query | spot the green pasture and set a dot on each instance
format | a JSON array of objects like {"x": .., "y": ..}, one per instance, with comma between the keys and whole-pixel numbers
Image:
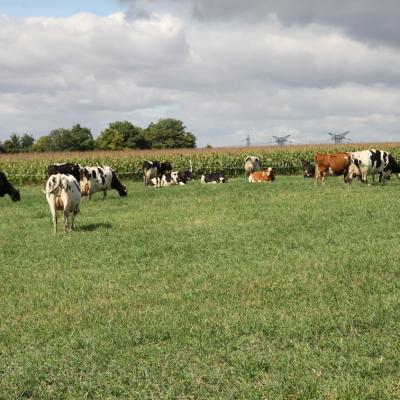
[{"x": 235, "y": 291}]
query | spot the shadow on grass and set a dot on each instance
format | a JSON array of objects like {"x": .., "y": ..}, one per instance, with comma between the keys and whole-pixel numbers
[{"x": 93, "y": 227}]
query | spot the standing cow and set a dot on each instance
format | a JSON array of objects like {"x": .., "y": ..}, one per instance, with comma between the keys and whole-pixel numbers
[
  {"x": 332, "y": 164},
  {"x": 100, "y": 179},
  {"x": 155, "y": 170},
  {"x": 63, "y": 193},
  {"x": 7, "y": 188},
  {"x": 371, "y": 162},
  {"x": 251, "y": 164}
]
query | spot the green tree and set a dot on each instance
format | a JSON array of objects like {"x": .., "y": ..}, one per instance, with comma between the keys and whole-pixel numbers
[
  {"x": 26, "y": 142},
  {"x": 110, "y": 139},
  {"x": 43, "y": 144},
  {"x": 13, "y": 144},
  {"x": 133, "y": 136},
  {"x": 169, "y": 133},
  {"x": 81, "y": 139}
]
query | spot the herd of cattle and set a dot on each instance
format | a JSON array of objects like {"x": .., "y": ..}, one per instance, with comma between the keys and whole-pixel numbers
[{"x": 67, "y": 183}]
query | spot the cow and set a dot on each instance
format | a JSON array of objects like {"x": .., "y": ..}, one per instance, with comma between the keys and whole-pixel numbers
[
  {"x": 155, "y": 169},
  {"x": 100, "y": 179},
  {"x": 218, "y": 177},
  {"x": 7, "y": 188},
  {"x": 181, "y": 177},
  {"x": 63, "y": 193},
  {"x": 167, "y": 180},
  {"x": 251, "y": 164},
  {"x": 262, "y": 176},
  {"x": 65, "y": 168},
  {"x": 308, "y": 168},
  {"x": 332, "y": 164},
  {"x": 371, "y": 162}
]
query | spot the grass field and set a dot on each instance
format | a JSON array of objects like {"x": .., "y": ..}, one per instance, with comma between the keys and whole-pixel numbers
[{"x": 236, "y": 291}]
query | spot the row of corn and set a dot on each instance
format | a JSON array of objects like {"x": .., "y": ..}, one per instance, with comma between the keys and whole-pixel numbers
[{"x": 32, "y": 168}]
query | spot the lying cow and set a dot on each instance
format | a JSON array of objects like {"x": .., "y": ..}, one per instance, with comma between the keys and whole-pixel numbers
[
  {"x": 372, "y": 162},
  {"x": 332, "y": 164},
  {"x": 262, "y": 176},
  {"x": 251, "y": 164},
  {"x": 63, "y": 193},
  {"x": 181, "y": 177},
  {"x": 308, "y": 168},
  {"x": 155, "y": 170},
  {"x": 100, "y": 179},
  {"x": 65, "y": 168},
  {"x": 7, "y": 188},
  {"x": 218, "y": 177}
]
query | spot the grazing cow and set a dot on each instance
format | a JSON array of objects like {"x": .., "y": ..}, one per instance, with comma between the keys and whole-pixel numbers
[
  {"x": 181, "y": 177},
  {"x": 63, "y": 193},
  {"x": 309, "y": 169},
  {"x": 332, "y": 164},
  {"x": 218, "y": 177},
  {"x": 65, "y": 168},
  {"x": 100, "y": 179},
  {"x": 371, "y": 162},
  {"x": 262, "y": 176},
  {"x": 251, "y": 164},
  {"x": 155, "y": 169},
  {"x": 7, "y": 188}
]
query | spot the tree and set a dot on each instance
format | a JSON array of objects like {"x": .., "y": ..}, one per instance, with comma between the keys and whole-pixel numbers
[
  {"x": 26, "y": 142},
  {"x": 110, "y": 139},
  {"x": 169, "y": 133},
  {"x": 43, "y": 144},
  {"x": 133, "y": 136},
  {"x": 12, "y": 145},
  {"x": 81, "y": 139}
]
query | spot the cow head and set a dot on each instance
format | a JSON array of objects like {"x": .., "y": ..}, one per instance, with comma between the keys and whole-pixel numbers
[
  {"x": 15, "y": 196},
  {"x": 85, "y": 181}
]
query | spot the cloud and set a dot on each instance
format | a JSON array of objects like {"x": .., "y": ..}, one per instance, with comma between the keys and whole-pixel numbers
[{"x": 225, "y": 69}]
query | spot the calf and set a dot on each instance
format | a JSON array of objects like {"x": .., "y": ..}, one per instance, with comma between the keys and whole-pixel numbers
[
  {"x": 251, "y": 164},
  {"x": 100, "y": 179},
  {"x": 371, "y": 162},
  {"x": 7, "y": 188},
  {"x": 309, "y": 169},
  {"x": 65, "y": 168},
  {"x": 332, "y": 164},
  {"x": 63, "y": 193},
  {"x": 155, "y": 169},
  {"x": 218, "y": 177},
  {"x": 262, "y": 176}
]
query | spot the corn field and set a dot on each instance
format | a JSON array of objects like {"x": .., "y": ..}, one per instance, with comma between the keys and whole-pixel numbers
[{"x": 31, "y": 168}]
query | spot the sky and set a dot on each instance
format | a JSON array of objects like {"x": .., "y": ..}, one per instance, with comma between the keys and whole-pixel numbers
[{"x": 228, "y": 69}]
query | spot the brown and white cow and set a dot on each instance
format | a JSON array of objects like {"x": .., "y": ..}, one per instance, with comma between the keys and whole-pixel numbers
[
  {"x": 262, "y": 176},
  {"x": 332, "y": 164}
]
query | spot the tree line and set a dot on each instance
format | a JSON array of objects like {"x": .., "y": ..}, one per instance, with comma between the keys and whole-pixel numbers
[{"x": 165, "y": 134}]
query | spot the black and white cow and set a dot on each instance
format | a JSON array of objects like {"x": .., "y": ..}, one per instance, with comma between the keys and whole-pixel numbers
[
  {"x": 308, "y": 168},
  {"x": 65, "y": 168},
  {"x": 63, "y": 193},
  {"x": 7, "y": 188},
  {"x": 372, "y": 162},
  {"x": 100, "y": 179},
  {"x": 252, "y": 164},
  {"x": 181, "y": 177},
  {"x": 155, "y": 169},
  {"x": 218, "y": 177}
]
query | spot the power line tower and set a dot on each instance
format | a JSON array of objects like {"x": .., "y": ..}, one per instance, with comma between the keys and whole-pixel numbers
[
  {"x": 281, "y": 140},
  {"x": 248, "y": 141},
  {"x": 339, "y": 137}
]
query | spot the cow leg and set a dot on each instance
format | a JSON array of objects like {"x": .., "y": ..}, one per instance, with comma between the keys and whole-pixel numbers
[
  {"x": 66, "y": 214},
  {"x": 73, "y": 214},
  {"x": 54, "y": 219}
]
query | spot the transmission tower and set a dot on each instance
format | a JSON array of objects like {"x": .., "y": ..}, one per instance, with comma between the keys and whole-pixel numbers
[
  {"x": 339, "y": 137},
  {"x": 248, "y": 141},
  {"x": 281, "y": 140}
]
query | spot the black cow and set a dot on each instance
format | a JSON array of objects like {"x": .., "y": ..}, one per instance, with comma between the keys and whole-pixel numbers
[
  {"x": 7, "y": 188},
  {"x": 309, "y": 169},
  {"x": 155, "y": 169},
  {"x": 218, "y": 177},
  {"x": 66, "y": 169}
]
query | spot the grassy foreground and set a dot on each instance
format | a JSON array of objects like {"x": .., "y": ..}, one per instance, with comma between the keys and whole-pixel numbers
[{"x": 236, "y": 291}]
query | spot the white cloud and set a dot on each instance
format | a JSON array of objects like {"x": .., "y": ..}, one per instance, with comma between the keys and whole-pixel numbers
[{"x": 224, "y": 78}]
